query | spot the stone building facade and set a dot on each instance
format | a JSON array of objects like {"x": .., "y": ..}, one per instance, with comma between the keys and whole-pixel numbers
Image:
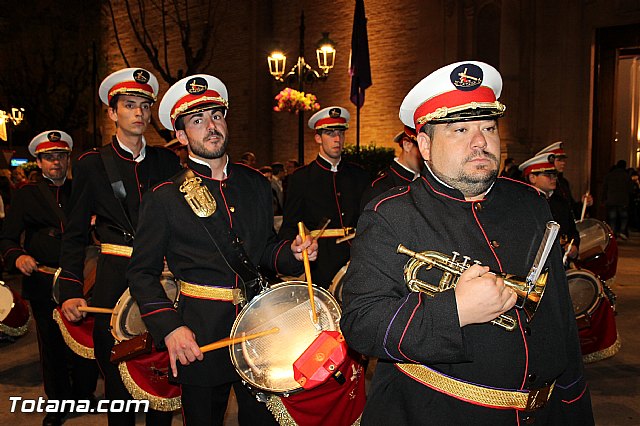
[{"x": 546, "y": 51}]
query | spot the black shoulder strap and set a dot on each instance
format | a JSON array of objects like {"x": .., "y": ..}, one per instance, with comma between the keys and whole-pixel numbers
[
  {"x": 117, "y": 185},
  {"x": 43, "y": 187},
  {"x": 229, "y": 244},
  {"x": 106, "y": 153}
]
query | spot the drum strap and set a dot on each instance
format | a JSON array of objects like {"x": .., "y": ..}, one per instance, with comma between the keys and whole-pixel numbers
[
  {"x": 43, "y": 187},
  {"x": 230, "y": 246},
  {"x": 117, "y": 185}
]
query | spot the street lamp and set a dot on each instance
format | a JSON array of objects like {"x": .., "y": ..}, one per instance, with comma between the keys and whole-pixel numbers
[
  {"x": 15, "y": 117},
  {"x": 302, "y": 72}
]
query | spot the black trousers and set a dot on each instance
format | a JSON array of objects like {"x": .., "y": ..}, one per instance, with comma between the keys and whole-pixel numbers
[
  {"x": 113, "y": 387},
  {"x": 65, "y": 374},
  {"x": 206, "y": 405}
]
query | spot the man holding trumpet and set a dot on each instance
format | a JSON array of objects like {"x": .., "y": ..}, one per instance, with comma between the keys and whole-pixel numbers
[{"x": 442, "y": 360}]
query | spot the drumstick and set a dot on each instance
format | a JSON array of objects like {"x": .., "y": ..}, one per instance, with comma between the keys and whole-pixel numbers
[
  {"x": 584, "y": 206},
  {"x": 47, "y": 269},
  {"x": 322, "y": 228},
  {"x": 566, "y": 253},
  {"x": 94, "y": 310},
  {"x": 307, "y": 271},
  {"x": 232, "y": 341}
]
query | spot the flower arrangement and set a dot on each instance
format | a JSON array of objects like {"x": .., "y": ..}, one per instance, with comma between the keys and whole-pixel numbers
[{"x": 291, "y": 100}]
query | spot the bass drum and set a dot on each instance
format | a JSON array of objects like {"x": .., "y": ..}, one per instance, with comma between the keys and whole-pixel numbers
[
  {"x": 586, "y": 292},
  {"x": 14, "y": 312},
  {"x": 336, "y": 285},
  {"x": 126, "y": 320},
  {"x": 598, "y": 250},
  {"x": 266, "y": 363}
]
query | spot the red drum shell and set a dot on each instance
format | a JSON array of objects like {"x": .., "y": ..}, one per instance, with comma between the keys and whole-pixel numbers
[
  {"x": 14, "y": 312},
  {"x": 331, "y": 403},
  {"x": 147, "y": 377},
  {"x": 77, "y": 335},
  {"x": 599, "y": 336}
]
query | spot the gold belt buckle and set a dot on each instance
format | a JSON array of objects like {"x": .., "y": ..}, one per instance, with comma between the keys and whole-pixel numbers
[
  {"x": 538, "y": 397},
  {"x": 238, "y": 297}
]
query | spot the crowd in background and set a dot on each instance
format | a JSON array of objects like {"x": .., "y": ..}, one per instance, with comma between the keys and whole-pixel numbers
[{"x": 620, "y": 195}]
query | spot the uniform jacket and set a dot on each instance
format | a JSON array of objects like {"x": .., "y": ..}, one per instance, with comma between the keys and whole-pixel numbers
[
  {"x": 394, "y": 175},
  {"x": 315, "y": 192},
  {"x": 562, "y": 213},
  {"x": 169, "y": 228},
  {"x": 92, "y": 195},
  {"x": 32, "y": 214},
  {"x": 382, "y": 318}
]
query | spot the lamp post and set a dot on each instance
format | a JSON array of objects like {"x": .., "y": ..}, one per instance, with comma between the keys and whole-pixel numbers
[
  {"x": 15, "y": 117},
  {"x": 302, "y": 72}
]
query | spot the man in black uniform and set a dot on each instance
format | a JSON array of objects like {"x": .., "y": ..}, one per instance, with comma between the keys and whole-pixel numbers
[
  {"x": 109, "y": 183},
  {"x": 326, "y": 188},
  {"x": 540, "y": 172},
  {"x": 39, "y": 211},
  {"x": 234, "y": 230},
  {"x": 441, "y": 360},
  {"x": 563, "y": 186},
  {"x": 404, "y": 169}
]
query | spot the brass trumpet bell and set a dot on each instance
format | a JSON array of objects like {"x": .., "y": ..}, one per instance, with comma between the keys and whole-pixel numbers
[{"x": 529, "y": 295}]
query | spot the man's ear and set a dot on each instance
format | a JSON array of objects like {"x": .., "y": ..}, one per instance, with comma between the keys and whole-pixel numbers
[
  {"x": 113, "y": 115},
  {"x": 318, "y": 138},
  {"x": 181, "y": 135},
  {"x": 424, "y": 145}
]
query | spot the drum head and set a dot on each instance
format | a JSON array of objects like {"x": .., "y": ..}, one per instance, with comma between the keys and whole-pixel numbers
[
  {"x": 266, "y": 362},
  {"x": 6, "y": 301},
  {"x": 126, "y": 320},
  {"x": 585, "y": 290},
  {"x": 594, "y": 236}
]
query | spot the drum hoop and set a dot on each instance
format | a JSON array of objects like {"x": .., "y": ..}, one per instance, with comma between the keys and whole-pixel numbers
[
  {"x": 121, "y": 311},
  {"x": 7, "y": 290},
  {"x": 599, "y": 290},
  {"x": 248, "y": 308}
]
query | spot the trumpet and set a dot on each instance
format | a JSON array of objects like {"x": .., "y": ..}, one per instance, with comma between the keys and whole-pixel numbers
[{"x": 529, "y": 294}]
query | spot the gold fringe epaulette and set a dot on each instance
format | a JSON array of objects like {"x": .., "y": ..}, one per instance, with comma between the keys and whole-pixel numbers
[
  {"x": 83, "y": 351},
  {"x": 605, "y": 353},
  {"x": 15, "y": 331},
  {"x": 155, "y": 402}
]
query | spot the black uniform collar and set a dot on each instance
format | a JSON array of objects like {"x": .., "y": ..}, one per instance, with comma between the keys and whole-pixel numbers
[
  {"x": 203, "y": 170},
  {"x": 125, "y": 153},
  {"x": 402, "y": 171},
  {"x": 437, "y": 186},
  {"x": 325, "y": 164}
]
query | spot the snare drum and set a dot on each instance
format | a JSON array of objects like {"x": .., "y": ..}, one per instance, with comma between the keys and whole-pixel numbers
[
  {"x": 336, "y": 284},
  {"x": 126, "y": 320},
  {"x": 266, "y": 363},
  {"x": 586, "y": 292},
  {"x": 89, "y": 273},
  {"x": 14, "y": 312},
  {"x": 598, "y": 251}
]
